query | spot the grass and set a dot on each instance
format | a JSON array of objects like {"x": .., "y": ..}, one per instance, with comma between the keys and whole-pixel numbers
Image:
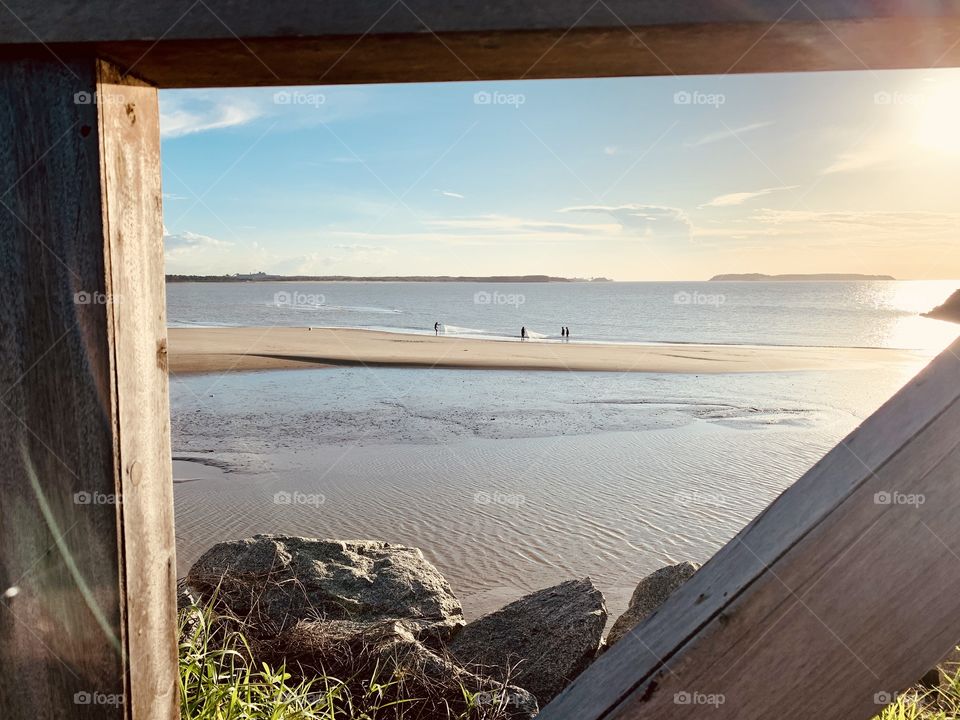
[
  {"x": 221, "y": 680},
  {"x": 942, "y": 703}
]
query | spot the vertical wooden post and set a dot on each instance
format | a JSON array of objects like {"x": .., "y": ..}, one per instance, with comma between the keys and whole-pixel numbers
[{"x": 87, "y": 575}]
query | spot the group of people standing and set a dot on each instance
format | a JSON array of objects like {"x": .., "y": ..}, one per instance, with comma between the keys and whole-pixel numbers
[{"x": 564, "y": 332}]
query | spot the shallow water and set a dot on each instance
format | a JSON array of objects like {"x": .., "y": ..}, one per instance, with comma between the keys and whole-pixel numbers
[
  {"x": 509, "y": 481},
  {"x": 846, "y": 314}
]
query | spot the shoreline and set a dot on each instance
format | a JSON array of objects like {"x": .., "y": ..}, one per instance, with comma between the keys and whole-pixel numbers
[{"x": 238, "y": 349}]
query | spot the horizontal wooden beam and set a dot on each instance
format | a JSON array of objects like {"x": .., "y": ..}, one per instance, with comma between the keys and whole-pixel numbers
[
  {"x": 65, "y": 21},
  {"x": 204, "y": 43},
  {"x": 838, "y": 595}
]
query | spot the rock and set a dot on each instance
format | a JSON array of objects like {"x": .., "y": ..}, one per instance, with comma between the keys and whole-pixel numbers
[
  {"x": 271, "y": 582},
  {"x": 950, "y": 310},
  {"x": 187, "y": 597},
  {"x": 189, "y": 608},
  {"x": 539, "y": 642},
  {"x": 387, "y": 652},
  {"x": 649, "y": 595}
]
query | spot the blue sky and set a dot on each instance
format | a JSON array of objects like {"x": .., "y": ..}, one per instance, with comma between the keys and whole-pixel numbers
[{"x": 629, "y": 178}]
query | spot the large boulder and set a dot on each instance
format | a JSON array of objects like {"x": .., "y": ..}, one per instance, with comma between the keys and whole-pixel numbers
[
  {"x": 387, "y": 655},
  {"x": 649, "y": 595},
  {"x": 271, "y": 582},
  {"x": 539, "y": 642}
]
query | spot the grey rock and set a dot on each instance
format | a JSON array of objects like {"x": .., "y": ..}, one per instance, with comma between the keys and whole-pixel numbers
[
  {"x": 649, "y": 595},
  {"x": 539, "y": 642},
  {"x": 408, "y": 668},
  {"x": 189, "y": 608},
  {"x": 187, "y": 597},
  {"x": 271, "y": 582}
]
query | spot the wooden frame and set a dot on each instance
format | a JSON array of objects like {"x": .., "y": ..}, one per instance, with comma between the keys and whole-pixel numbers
[
  {"x": 208, "y": 43},
  {"x": 804, "y": 613},
  {"x": 86, "y": 520}
]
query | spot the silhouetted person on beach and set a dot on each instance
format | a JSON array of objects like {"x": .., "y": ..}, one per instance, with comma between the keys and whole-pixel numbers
[
  {"x": 568, "y": 334},
  {"x": 436, "y": 328},
  {"x": 523, "y": 333}
]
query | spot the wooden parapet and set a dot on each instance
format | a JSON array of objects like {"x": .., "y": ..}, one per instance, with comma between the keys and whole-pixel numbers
[
  {"x": 205, "y": 43},
  {"x": 86, "y": 517}
]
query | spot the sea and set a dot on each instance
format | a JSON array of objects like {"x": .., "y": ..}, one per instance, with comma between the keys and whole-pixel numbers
[{"x": 511, "y": 481}]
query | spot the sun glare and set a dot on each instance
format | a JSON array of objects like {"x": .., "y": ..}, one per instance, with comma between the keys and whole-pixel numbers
[{"x": 938, "y": 117}]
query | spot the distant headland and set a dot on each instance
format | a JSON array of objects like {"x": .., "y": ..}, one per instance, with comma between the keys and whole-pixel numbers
[
  {"x": 264, "y": 277},
  {"x": 814, "y": 276},
  {"x": 950, "y": 310}
]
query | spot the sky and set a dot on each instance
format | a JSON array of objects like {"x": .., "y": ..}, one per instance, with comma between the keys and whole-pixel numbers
[{"x": 660, "y": 178}]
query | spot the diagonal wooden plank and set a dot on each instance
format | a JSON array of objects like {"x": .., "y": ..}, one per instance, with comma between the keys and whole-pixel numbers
[{"x": 846, "y": 586}]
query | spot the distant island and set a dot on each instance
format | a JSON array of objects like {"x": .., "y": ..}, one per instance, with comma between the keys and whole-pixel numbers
[
  {"x": 264, "y": 277},
  {"x": 814, "y": 276}
]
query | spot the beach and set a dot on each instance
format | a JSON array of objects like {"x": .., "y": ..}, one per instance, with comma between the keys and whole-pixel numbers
[
  {"x": 217, "y": 350},
  {"x": 651, "y": 438}
]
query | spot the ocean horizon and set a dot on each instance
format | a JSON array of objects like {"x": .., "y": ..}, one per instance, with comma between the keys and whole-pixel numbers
[{"x": 870, "y": 313}]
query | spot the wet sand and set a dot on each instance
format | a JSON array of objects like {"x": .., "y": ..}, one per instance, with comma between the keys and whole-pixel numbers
[
  {"x": 508, "y": 481},
  {"x": 217, "y": 350}
]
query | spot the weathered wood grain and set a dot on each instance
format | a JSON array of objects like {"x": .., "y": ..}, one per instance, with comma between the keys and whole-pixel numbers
[
  {"x": 84, "y": 580},
  {"x": 63, "y": 21},
  {"x": 183, "y": 43},
  {"x": 827, "y": 598},
  {"x": 60, "y": 622},
  {"x": 130, "y": 175}
]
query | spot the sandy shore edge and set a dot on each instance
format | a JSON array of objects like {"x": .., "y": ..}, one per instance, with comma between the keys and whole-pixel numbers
[{"x": 216, "y": 350}]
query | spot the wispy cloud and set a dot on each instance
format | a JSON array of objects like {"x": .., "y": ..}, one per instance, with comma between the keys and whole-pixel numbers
[
  {"x": 187, "y": 112},
  {"x": 727, "y": 133},
  {"x": 186, "y": 242},
  {"x": 515, "y": 226},
  {"x": 449, "y": 194},
  {"x": 645, "y": 220},
  {"x": 178, "y": 118},
  {"x": 738, "y": 198},
  {"x": 861, "y": 226},
  {"x": 876, "y": 153}
]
